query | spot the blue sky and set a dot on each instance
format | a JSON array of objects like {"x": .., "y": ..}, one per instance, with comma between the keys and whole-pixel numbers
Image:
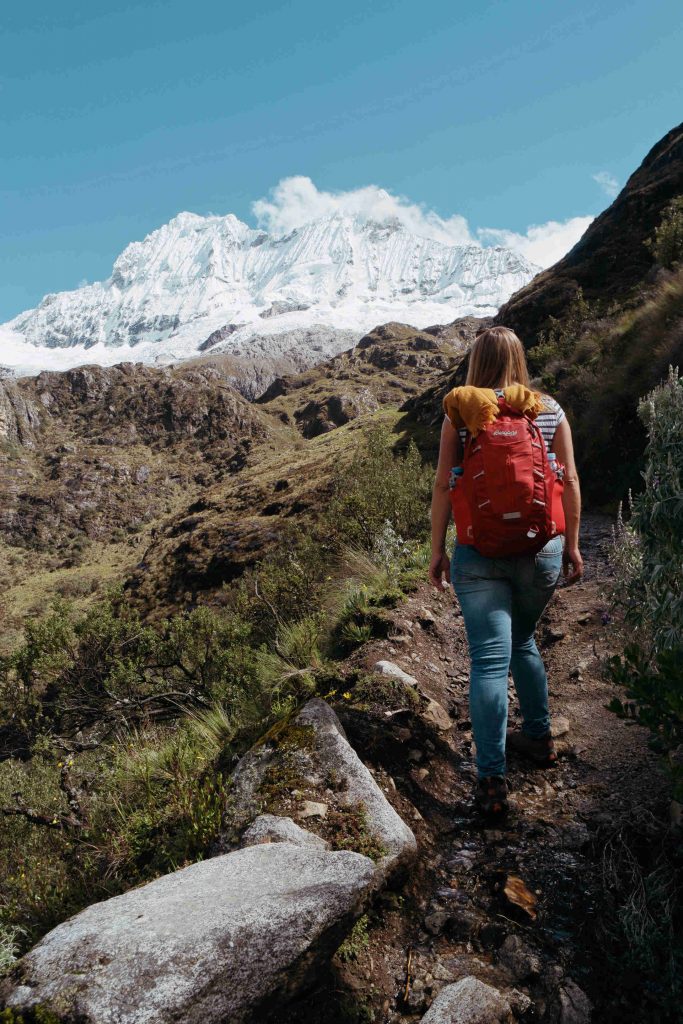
[{"x": 117, "y": 115}]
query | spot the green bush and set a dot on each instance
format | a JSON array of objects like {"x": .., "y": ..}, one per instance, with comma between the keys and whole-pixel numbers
[
  {"x": 107, "y": 667},
  {"x": 612, "y": 367},
  {"x": 558, "y": 341},
  {"x": 648, "y": 556},
  {"x": 667, "y": 244},
  {"x": 9, "y": 946},
  {"x": 380, "y": 487}
]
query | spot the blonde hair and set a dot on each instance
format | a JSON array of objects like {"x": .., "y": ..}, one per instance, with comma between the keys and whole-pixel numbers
[{"x": 497, "y": 359}]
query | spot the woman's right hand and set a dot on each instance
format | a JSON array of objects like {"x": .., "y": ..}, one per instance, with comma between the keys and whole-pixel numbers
[
  {"x": 572, "y": 564},
  {"x": 438, "y": 568}
]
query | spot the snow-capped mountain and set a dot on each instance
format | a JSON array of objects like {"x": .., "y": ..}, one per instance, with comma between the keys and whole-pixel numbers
[{"x": 213, "y": 283}]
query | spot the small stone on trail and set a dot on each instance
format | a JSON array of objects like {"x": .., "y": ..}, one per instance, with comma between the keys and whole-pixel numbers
[
  {"x": 556, "y": 634},
  {"x": 436, "y": 921},
  {"x": 389, "y": 668},
  {"x": 313, "y": 809},
  {"x": 414, "y": 755},
  {"x": 468, "y": 1001},
  {"x": 560, "y": 726},
  {"x": 426, "y": 619},
  {"x": 519, "y": 959},
  {"x": 574, "y": 1005},
  {"x": 436, "y": 715},
  {"x": 584, "y": 619}
]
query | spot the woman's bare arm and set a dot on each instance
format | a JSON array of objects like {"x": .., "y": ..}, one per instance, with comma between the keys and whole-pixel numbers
[
  {"x": 571, "y": 502},
  {"x": 449, "y": 455}
]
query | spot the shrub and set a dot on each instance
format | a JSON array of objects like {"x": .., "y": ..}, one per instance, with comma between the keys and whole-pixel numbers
[
  {"x": 558, "y": 341},
  {"x": 649, "y": 582},
  {"x": 626, "y": 359},
  {"x": 378, "y": 487},
  {"x": 667, "y": 244},
  {"x": 9, "y": 946},
  {"x": 106, "y": 668}
]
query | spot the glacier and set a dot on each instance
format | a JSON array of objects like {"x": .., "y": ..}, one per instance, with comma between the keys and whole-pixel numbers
[{"x": 212, "y": 284}]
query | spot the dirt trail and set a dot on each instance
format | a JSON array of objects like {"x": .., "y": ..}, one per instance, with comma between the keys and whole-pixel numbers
[{"x": 453, "y": 918}]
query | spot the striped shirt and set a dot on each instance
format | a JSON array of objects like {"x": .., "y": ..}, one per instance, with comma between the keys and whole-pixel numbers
[{"x": 546, "y": 421}]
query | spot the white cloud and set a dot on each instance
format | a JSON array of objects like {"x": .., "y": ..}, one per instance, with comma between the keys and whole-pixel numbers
[
  {"x": 296, "y": 201},
  {"x": 543, "y": 244},
  {"x": 607, "y": 182}
]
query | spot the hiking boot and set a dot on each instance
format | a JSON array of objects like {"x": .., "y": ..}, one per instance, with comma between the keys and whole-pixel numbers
[
  {"x": 539, "y": 749},
  {"x": 491, "y": 796}
]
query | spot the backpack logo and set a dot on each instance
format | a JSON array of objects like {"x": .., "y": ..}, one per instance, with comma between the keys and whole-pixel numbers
[{"x": 504, "y": 433}]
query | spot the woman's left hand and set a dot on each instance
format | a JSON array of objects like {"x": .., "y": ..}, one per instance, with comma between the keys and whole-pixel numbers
[{"x": 438, "y": 568}]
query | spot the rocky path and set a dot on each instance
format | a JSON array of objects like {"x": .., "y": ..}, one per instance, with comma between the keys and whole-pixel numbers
[{"x": 517, "y": 906}]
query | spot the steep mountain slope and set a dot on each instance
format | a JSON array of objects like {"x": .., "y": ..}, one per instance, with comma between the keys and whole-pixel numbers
[
  {"x": 610, "y": 262},
  {"x": 170, "y": 478},
  {"x": 601, "y": 354},
  {"x": 97, "y": 452},
  {"x": 212, "y": 283},
  {"x": 241, "y": 517}
]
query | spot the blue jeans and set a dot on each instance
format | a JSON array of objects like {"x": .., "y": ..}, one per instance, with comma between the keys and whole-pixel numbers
[{"x": 502, "y": 600}]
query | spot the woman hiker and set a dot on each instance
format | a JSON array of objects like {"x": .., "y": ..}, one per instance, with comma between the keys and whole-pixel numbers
[{"x": 502, "y": 598}]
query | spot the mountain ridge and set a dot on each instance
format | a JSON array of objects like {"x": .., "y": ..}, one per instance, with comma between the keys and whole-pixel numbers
[{"x": 213, "y": 283}]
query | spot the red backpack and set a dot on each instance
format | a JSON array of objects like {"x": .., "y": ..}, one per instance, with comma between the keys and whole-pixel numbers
[{"x": 508, "y": 500}]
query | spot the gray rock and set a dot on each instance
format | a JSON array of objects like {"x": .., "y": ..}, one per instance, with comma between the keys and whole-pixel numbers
[
  {"x": 273, "y": 828},
  {"x": 468, "y": 1001},
  {"x": 571, "y": 1005},
  {"x": 335, "y": 755},
  {"x": 437, "y": 716},
  {"x": 388, "y": 668},
  {"x": 210, "y": 943},
  {"x": 313, "y": 809},
  {"x": 520, "y": 960}
]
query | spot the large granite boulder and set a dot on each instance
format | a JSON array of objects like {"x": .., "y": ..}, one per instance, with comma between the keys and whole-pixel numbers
[
  {"x": 223, "y": 939},
  {"x": 215, "y": 942}
]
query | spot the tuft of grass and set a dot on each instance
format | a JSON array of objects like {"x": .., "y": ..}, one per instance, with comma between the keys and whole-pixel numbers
[
  {"x": 9, "y": 946},
  {"x": 639, "y": 929},
  {"x": 348, "y": 830},
  {"x": 356, "y": 942}
]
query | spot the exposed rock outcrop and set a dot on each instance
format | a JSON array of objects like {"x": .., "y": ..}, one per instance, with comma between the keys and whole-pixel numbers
[
  {"x": 19, "y": 418},
  {"x": 315, "y": 755},
  {"x": 215, "y": 941},
  {"x": 610, "y": 259}
]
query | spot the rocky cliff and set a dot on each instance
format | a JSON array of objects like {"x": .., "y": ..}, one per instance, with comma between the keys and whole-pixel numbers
[{"x": 610, "y": 262}]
